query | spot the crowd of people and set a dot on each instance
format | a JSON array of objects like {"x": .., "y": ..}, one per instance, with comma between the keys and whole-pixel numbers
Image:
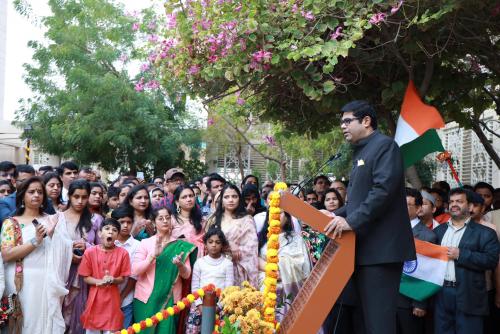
[{"x": 84, "y": 255}]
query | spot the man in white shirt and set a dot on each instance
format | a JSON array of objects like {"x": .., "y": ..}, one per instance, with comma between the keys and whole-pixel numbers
[
  {"x": 68, "y": 171},
  {"x": 462, "y": 303}
]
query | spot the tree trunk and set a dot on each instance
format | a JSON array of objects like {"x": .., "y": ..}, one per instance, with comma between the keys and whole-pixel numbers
[
  {"x": 412, "y": 177},
  {"x": 241, "y": 167},
  {"x": 283, "y": 170},
  {"x": 486, "y": 143}
]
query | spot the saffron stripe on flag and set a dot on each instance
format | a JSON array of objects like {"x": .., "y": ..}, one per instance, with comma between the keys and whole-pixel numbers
[{"x": 431, "y": 250}]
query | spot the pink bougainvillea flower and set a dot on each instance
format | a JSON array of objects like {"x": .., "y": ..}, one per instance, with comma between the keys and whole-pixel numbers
[
  {"x": 295, "y": 9},
  {"x": 377, "y": 18},
  {"x": 194, "y": 69},
  {"x": 335, "y": 35},
  {"x": 152, "y": 57},
  {"x": 171, "y": 22},
  {"x": 152, "y": 25},
  {"x": 261, "y": 56},
  {"x": 238, "y": 8},
  {"x": 136, "y": 26},
  {"x": 308, "y": 15},
  {"x": 269, "y": 140},
  {"x": 396, "y": 7},
  {"x": 139, "y": 86},
  {"x": 243, "y": 44},
  {"x": 240, "y": 101},
  {"x": 145, "y": 67},
  {"x": 123, "y": 57},
  {"x": 210, "y": 121},
  {"x": 153, "y": 84},
  {"x": 153, "y": 38}
]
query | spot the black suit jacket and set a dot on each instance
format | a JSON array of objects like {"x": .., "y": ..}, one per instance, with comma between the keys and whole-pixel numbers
[
  {"x": 478, "y": 252},
  {"x": 376, "y": 203},
  {"x": 420, "y": 232}
]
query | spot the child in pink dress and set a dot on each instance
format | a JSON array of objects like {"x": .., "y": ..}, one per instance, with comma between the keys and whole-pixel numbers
[{"x": 104, "y": 268}]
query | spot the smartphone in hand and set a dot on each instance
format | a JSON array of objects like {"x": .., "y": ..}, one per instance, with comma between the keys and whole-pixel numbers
[{"x": 36, "y": 223}]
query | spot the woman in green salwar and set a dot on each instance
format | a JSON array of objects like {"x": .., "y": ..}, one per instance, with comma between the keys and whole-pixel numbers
[{"x": 162, "y": 266}]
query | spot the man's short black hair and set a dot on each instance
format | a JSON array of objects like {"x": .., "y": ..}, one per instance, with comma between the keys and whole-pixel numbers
[
  {"x": 440, "y": 192},
  {"x": 214, "y": 177},
  {"x": 324, "y": 177},
  {"x": 6, "y": 166},
  {"x": 70, "y": 165},
  {"x": 411, "y": 192},
  {"x": 484, "y": 185},
  {"x": 459, "y": 191},
  {"x": 311, "y": 192},
  {"x": 25, "y": 169},
  {"x": 46, "y": 169},
  {"x": 361, "y": 109}
]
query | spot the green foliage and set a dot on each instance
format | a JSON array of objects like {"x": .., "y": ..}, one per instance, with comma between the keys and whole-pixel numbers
[
  {"x": 426, "y": 170},
  {"x": 303, "y": 60},
  {"x": 194, "y": 169},
  {"x": 85, "y": 106}
]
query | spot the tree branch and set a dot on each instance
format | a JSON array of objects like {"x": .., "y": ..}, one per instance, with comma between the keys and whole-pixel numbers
[
  {"x": 265, "y": 156},
  {"x": 429, "y": 71}
]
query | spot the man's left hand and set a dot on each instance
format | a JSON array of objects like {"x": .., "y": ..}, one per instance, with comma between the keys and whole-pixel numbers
[
  {"x": 336, "y": 226},
  {"x": 453, "y": 253}
]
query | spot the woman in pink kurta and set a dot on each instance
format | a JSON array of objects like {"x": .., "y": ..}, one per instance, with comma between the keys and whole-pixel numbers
[
  {"x": 187, "y": 222},
  {"x": 239, "y": 228}
]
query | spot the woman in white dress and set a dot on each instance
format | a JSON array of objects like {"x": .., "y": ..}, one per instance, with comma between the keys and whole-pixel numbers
[{"x": 37, "y": 261}]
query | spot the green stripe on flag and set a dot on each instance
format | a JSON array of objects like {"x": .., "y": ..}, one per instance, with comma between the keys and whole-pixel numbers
[
  {"x": 416, "y": 288},
  {"x": 417, "y": 149}
]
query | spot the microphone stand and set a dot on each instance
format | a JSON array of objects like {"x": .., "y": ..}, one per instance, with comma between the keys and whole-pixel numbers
[{"x": 304, "y": 183}]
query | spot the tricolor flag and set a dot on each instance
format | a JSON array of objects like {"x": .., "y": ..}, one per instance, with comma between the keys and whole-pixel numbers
[
  {"x": 415, "y": 132},
  {"x": 424, "y": 276}
]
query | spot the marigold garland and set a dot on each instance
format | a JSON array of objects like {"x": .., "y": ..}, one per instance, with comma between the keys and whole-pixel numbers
[
  {"x": 170, "y": 311},
  {"x": 273, "y": 245}
]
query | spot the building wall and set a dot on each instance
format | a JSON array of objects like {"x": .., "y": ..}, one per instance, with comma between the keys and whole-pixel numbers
[
  {"x": 3, "y": 45},
  {"x": 470, "y": 159}
]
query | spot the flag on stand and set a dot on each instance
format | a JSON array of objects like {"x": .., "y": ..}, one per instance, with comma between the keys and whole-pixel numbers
[
  {"x": 415, "y": 132},
  {"x": 424, "y": 276}
]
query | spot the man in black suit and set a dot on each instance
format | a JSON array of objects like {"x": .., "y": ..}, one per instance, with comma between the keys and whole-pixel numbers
[
  {"x": 410, "y": 314},
  {"x": 462, "y": 304},
  {"x": 376, "y": 211}
]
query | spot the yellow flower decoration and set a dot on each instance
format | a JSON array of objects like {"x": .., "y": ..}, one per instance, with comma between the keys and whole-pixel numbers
[
  {"x": 274, "y": 223},
  {"x": 272, "y": 252},
  {"x": 274, "y": 210},
  {"x": 191, "y": 298},
  {"x": 201, "y": 292},
  {"x": 136, "y": 328},
  {"x": 124, "y": 331},
  {"x": 159, "y": 316},
  {"x": 170, "y": 311},
  {"x": 149, "y": 322},
  {"x": 274, "y": 195},
  {"x": 280, "y": 186},
  {"x": 181, "y": 305}
]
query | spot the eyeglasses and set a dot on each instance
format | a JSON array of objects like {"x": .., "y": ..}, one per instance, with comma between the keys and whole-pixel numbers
[{"x": 347, "y": 121}]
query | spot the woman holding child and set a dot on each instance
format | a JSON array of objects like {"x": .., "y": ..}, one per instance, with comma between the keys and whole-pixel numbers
[{"x": 162, "y": 265}]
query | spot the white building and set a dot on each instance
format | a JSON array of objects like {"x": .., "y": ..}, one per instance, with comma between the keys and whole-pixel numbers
[{"x": 470, "y": 159}]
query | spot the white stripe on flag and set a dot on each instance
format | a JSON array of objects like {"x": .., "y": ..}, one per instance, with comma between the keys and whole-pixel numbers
[
  {"x": 429, "y": 269},
  {"x": 404, "y": 132}
]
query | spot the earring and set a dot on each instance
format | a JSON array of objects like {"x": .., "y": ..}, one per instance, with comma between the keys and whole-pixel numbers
[
  {"x": 178, "y": 209},
  {"x": 41, "y": 206},
  {"x": 22, "y": 204}
]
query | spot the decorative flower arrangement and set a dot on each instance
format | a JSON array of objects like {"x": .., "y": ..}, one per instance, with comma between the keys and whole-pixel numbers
[
  {"x": 242, "y": 311},
  {"x": 271, "y": 278},
  {"x": 169, "y": 311}
]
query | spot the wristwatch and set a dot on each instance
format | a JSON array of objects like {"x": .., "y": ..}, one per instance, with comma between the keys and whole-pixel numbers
[{"x": 34, "y": 242}]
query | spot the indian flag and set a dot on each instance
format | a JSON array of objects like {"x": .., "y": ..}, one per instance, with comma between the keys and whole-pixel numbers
[
  {"x": 415, "y": 132},
  {"x": 424, "y": 276}
]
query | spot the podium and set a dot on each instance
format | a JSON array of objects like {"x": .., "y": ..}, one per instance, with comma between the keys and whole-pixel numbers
[{"x": 327, "y": 279}]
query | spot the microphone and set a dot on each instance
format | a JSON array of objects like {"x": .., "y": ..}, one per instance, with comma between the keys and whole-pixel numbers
[{"x": 302, "y": 185}]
